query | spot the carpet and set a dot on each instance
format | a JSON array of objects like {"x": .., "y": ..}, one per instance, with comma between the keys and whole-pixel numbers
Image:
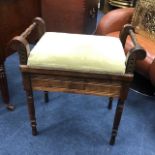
[{"x": 73, "y": 124}]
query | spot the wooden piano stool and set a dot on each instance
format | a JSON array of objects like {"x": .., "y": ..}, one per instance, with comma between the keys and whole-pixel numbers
[{"x": 75, "y": 63}]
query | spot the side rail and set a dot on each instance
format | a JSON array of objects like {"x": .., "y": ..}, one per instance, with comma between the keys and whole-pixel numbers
[
  {"x": 136, "y": 53},
  {"x": 20, "y": 43}
]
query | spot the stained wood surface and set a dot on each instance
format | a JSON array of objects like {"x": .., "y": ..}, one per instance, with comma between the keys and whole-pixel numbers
[
  {"x": 69, "y": 15},
  {"x": 15, "y": 16}
]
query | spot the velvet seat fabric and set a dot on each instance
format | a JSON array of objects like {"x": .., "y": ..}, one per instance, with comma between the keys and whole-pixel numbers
[{"x": 85, "y": 53}]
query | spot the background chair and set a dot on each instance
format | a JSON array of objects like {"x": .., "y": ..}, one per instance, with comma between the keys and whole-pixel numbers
[{"x": 112, "y": 23}]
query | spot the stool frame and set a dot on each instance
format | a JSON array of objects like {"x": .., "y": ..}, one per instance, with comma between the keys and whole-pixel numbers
[{"x": 52, "y": 80}]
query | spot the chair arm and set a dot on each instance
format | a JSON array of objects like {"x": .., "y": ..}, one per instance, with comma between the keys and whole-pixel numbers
[
  {"x": 135, "y": 53},
  {"x": 114, "y": 21},
  {"x": 21, "y": 43}
]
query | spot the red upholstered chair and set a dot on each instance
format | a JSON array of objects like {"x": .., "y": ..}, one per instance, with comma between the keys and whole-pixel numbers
[{"x": 112, "y": 23}]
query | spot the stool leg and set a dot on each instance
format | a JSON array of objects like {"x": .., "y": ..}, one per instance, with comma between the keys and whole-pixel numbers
[
  {"x": 117, "y": 118},
  {"x": 46, "y": 97},
  {"x": 110, "y": 103},
  {"x": 31, "y": 110}
]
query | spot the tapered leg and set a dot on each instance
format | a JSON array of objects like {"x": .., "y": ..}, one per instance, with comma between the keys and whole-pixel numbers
[
  {"x": 46, "y": 98},
  {"x": 118, "y": 114},
  {"x": 31, "y": 109},
  {"x": 4, "y": 88},
  {"x": 110, "y": 103}
]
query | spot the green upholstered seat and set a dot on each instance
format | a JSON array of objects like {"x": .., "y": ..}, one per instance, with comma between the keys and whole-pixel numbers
[{"x": 76, "y": 52}]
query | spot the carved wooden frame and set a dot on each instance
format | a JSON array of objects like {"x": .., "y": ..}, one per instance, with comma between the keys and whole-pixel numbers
[{"x": 110, "y": 85}]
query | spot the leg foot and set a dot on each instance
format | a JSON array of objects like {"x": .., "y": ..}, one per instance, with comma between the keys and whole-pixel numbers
[
  {"x": 10, "y": 107},
  {"x": 110, "y": 103},
  {"x": 34, "y": 131},
  {"x": 112, "y": 141},
  {"x": 113, "y": 137},
  {"x": 46, "y": 98}
]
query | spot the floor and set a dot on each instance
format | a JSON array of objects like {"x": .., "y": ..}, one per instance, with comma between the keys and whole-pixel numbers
[{"x": 73, "y": 124}]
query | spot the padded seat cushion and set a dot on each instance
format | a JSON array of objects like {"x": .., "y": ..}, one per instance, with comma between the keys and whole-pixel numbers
[{"x": 76, "y": 52}]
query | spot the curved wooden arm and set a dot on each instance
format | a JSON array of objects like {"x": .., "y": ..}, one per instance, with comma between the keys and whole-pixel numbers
[
  {"x": 20, "y": 43},
  {"x": 136, "y": 53},
  {"x": 114, "y": 21}
]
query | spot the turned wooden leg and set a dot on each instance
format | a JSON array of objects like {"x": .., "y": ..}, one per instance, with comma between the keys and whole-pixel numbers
[
  {"x": 4, "y": 88},
  {"x": 31, "y": 109},
  {"x": 117, "y": 118},
  {"x": 110, "y": 103},
  {"x": 46, "y": 98}
]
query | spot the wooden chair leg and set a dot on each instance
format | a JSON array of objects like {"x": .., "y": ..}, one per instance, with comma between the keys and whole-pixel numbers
[
  {"x": 110, "y": 103},
  {"x": 4, "y": 88},
  {"x": 31, "y": 109},
  {"x": 117, "y": 118},
  {"x": 46, "y": 97}
]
